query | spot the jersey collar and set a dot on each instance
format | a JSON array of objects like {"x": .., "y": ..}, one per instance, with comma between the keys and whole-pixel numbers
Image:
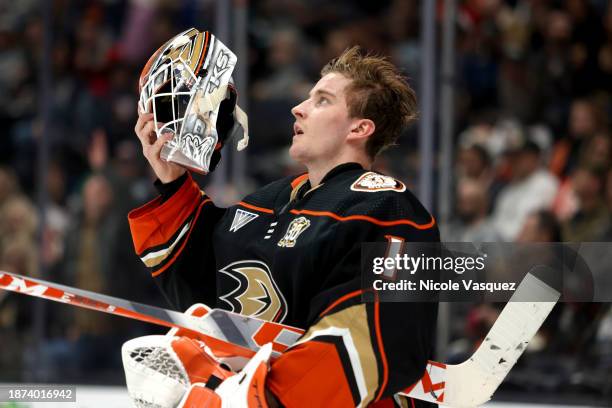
[
  {"x": 341, "y": 168},
  {"x": 303, "y": 188}
]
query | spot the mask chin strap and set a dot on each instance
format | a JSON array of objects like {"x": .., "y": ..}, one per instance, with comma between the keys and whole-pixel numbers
[{"x": 241, "y": 128}]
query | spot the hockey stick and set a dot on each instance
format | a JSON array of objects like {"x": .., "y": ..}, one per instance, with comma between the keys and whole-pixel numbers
[
  {"x": 468, "y": 384},
  {"x": 474, "y": 381},
  {"x": 223, "y": 331}
]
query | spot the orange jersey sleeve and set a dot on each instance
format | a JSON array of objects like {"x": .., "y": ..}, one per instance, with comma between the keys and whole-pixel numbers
[{"x": 161, "y": 232}]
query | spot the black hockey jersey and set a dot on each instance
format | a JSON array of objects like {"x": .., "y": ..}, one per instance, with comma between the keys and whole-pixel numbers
[{"x": 291, "y": 254}]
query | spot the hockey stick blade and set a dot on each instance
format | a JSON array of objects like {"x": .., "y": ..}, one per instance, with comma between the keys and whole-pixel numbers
[{"x": 473, "y": 382}]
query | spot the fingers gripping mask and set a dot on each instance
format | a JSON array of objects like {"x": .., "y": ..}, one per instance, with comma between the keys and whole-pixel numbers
[{"x": 187, "y": 85}]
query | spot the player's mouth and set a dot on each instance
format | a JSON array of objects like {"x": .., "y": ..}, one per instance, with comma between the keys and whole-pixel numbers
[{"x": 297, "y": 130}]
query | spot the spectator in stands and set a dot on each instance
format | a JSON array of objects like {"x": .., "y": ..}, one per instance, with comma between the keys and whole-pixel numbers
[
  {"x": 286, "y": 79},
  {"x": 57, "y": 218},
  {"x": 90, "y": 263},
  {"x": 16, "y": 317},
  {"x": 18, "y": 220},
  {"x": 89, "y": 249},
  {"x": 471, "y": 223},
  {"x": 8, "y": 184},
  {"x": 592, "y": 218},
  {"x": 532, "y": 188},
  {"x": 586, "y": 120},
  {"x": 280, "y": 86},
  {"x": 597, "y": 151},
  {"x": 540, "y": 226},
  {"x": 401, "y": 23},
  {"x": 550, "y": 66},
  {"x": 474, "y": 163},
  {"x": 587, "y": 36},
  {"x": 18, "y": 254},
  {"x": 604, "y": 57}
]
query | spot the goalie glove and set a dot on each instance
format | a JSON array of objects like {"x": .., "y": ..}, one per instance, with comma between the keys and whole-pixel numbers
[
  {"x": 160, "y": 369},
  {"x": 243, "y": 390}
]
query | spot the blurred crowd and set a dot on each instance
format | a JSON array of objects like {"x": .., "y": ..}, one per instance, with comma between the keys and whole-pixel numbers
[{"x": 533, "y": 158}]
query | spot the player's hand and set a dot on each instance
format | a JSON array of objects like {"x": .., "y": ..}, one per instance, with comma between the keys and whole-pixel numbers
[
  {"x": 242, "y": 390},
  {"x": 152, "y": 146}
]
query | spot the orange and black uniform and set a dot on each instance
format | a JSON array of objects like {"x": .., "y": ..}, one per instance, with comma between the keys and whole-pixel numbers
[{"x": 292, "y": 254}]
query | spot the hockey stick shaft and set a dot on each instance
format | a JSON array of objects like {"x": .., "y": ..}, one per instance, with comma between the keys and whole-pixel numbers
[{"x": 115, "y": 306}]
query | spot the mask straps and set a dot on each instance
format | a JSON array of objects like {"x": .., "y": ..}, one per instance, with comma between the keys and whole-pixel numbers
[{"x": 242, "y": 123}]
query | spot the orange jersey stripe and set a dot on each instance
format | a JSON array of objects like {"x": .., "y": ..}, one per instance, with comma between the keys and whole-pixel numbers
[
  {"x": 254, "y": 207},
  {"x": 365, "y": 218},
  {"x": 340, "y": 300},
  {"x": 298, "y": 180}
]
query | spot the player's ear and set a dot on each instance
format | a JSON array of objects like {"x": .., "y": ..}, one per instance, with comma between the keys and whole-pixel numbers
[{"x": 361, "y": 129}]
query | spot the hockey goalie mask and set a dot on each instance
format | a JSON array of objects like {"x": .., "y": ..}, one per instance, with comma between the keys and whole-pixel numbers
[{"x": 187, "y": 85}]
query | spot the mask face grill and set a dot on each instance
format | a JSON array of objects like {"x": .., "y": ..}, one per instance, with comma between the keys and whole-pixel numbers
[{"x": 170, "y": 105}]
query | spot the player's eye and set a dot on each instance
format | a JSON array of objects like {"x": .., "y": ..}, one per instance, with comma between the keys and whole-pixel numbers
[{"x": 322, "y": 101}]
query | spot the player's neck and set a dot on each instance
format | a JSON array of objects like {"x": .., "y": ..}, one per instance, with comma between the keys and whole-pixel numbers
[{"x": 317, "y": 171}]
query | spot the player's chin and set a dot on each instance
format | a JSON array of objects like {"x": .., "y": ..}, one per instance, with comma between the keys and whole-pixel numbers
[{"x": 296, "y": 152}]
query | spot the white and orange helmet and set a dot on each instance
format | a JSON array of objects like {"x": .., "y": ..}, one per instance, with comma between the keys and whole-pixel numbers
[{"x": 187, "y": 84}]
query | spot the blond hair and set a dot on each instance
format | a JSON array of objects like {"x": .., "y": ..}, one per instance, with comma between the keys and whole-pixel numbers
[{"x": 379, "y": 92}]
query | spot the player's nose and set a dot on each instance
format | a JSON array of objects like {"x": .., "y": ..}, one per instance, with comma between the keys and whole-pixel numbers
[{"x": 298, "y": 111}]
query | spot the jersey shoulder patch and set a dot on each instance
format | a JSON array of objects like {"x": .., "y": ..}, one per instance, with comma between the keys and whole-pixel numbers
[{"x": 372, "y": 182}]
